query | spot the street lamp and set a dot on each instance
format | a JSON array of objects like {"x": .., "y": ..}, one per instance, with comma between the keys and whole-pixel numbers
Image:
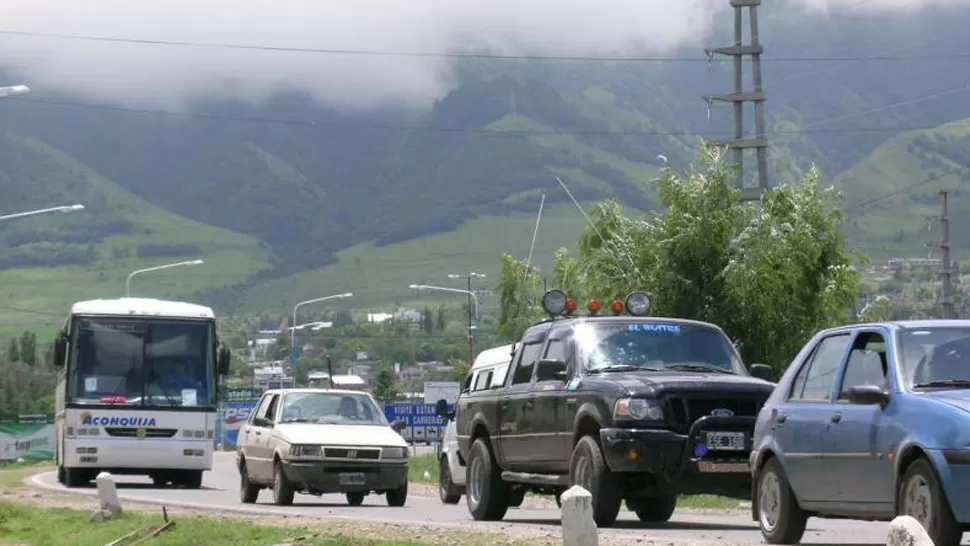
[
  {"x": 471, "y": 275},
  {"x": 471, "y": 297},
  {"x": 14, "y": 91},
  {"x": 156, "y": 268},
  {"x": 302, "y": 303},
  {"x": 65, "y": 208}
]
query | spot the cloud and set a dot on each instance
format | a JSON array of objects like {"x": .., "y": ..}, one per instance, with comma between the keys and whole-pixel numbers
[{"x": 153, "y": 75}]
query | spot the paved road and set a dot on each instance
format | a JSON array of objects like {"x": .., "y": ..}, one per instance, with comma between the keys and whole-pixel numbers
[{"x": 220, "y": 492}]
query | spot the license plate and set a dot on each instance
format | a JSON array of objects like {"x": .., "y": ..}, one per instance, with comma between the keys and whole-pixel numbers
[
  {"x": 351, "y": 478},
  {"x": 726, "y": 441},
  {"x": 712, "y": 467}
]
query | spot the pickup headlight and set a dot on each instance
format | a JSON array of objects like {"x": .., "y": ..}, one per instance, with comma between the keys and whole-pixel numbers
[
  {"x": 394, "y": 453},
  {"x": 637, "y": 409},
  {"x": 300, "y": 450}
]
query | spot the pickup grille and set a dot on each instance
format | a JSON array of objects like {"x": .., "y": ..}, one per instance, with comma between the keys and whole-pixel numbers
[
  {"x": 129, "y": 432},
  {"x": 361, "y": 454},
  {"x": 681, "y": 410}
]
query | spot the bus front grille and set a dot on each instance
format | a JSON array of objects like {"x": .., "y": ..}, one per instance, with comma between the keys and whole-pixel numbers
[{"x": 130, "y": 432}]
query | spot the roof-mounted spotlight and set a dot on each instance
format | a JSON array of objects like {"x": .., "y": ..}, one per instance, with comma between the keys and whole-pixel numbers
[
  {"x": 638, "y": 304},
  {"x": 554, "y": 302}
]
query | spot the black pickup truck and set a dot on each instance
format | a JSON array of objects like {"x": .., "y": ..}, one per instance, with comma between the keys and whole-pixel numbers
[{"x": 629, "y": 407}]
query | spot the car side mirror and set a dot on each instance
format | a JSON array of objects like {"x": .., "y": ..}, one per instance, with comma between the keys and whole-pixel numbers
[
  {"x": 762, "y": 371},
  {"x": 224, "y": 359},
  {"x": 399, "y": 425},
  {"x": 865, "y": 395},
  {"x": 262, "y": 422},
  {"x": 60, "y": 350},
  {"x": 551, "y": 370}
]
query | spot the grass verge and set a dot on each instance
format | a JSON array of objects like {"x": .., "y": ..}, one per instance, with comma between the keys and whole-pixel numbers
[
  {"x": 13, "y": 474},
  {"x": 422, "y": 464}
]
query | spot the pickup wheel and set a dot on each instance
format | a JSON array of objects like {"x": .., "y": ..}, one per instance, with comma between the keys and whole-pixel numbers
[
  {"x": 485, "y": 492},
  {"x": 588, "y": 469},
  {"x": 446, "y": 488},
  {"x": 355, "y": 499},
  {"x": 657, "y": 509}
]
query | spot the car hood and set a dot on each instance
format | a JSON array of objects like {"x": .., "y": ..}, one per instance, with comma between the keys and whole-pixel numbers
[
  {"x": 956, "y": 398},
  {"x": 660, "y": 383},
  {"x": 340, "y": 435}
]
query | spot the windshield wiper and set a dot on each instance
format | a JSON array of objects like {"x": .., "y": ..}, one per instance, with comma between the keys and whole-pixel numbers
[
  {"x": 943, "y": 383},
  {"x": 698, "y": 368},
  {"x": 621, "y": 368},
  {"x": 297, "y": 420},
  {"x": 159, "y": 383}
]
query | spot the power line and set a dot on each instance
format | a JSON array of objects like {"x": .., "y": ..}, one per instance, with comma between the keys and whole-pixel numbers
[{"x": 456, "y": 55}]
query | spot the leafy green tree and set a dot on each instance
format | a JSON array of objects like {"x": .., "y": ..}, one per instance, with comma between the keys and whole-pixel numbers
[
  {"x": 13, "y": 351},
  {"x": 519, "y": 297},
  {"x": 385, "y": 384},
  {"x": 28, "y": 348},
  {"x": 442, "y": 324},
  {"x": 459, "y": 370},
  {"x": 878, "y": 310},
  {"x": 427, "y": 323},
  {"x": 769, "y": 275}
]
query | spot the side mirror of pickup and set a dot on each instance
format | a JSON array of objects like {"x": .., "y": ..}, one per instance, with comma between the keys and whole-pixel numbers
[
  {"x": 551, "y": 370},
  {"x": 762, "y": 371},
  {"x": 441, "y": 409}
]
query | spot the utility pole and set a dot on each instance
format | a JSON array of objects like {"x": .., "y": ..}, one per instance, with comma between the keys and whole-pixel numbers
[
  {"x": 471, "y": 335},
  {"x": 739, "y": 97},
  {"x": 946, "y": 271}
]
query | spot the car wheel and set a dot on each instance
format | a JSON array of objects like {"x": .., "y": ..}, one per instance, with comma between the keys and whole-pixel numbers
[
  {"x": 191, "y": 479},
  {"x": 655, "y": 509},
  {"x": 397, "y": 497},
  {"x": 921, "y": 497},
  {"x": 248, "y": 491},
  {"x": 485, "y": 493},
  {"x": 781, "y": 520},
  {"x": 588, "y": 469},
  {"x": 446, "y": 488},
  {"x": 355, "y": 499},
  {"x": 282, "y": 488}
]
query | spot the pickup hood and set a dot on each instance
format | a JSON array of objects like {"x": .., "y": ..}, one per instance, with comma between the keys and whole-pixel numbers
[
  {"x": 340, "y": 435},
  {"x": 956, "y": 398},
  {"x": 654, "y": 384}
]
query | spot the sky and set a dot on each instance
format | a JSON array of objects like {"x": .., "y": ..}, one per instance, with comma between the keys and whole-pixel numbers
[{"x": 165, "y": 76}]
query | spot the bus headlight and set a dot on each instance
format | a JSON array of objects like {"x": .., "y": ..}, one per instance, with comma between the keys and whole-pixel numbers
[
  {"x": 302, "y": 450},
  {"x": 394, "y": 453}
]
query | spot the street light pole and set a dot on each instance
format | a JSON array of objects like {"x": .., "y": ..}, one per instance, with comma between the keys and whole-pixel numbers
[
  {"x": 472, "y": 297},
  {"x": 293, "y": 324},
  {"x": 65, "y": 208},
  {"x": 156, "y": 268},
  {"x": 471, "y": 337}
]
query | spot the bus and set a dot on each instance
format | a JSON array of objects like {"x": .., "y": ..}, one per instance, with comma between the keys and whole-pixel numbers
[{"x": 137, "y": 391}]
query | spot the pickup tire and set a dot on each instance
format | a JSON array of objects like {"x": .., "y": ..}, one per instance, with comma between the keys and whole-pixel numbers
[
  {"x": 657, "y": 509},
  {"x": 588, "y": 469},
  {"x": 485, "y": 492}
]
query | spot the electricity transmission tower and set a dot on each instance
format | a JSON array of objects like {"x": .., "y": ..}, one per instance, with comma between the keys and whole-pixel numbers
[{"x": 739, "y": 97}]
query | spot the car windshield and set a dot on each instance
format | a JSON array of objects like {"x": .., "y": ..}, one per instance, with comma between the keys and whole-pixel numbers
[
  {"x": 143, "y": 362},
  {"x": 655, "y": 346},
  {"x": 935, "y": 357},
  {"x": 331, "y": 408}
]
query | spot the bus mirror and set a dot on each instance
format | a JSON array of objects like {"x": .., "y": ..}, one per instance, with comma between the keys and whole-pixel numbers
[
  {"x": 60, "y": 350},
  {"x": 224, "y": 359}
]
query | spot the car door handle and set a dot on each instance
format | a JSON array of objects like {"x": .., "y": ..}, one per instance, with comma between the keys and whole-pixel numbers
[
  {"x": 258, "y": 433},
  {"x": 505, "y": 403},
  {"x": 836, "y": 418},
  {"x": 530, "y": 401},
  {"x": 781, "y": 418}
]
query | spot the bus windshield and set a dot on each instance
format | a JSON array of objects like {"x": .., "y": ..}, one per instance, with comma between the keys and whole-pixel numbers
[{"x": 142, "y": 362}]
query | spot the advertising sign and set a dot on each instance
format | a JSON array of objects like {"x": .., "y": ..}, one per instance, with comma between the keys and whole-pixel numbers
[
  {"x": 233, "y": 412},
  {"x": 437, "y": 390},
  {"x": 422, "y": 423},
  {"x": 29, "y": 437}
]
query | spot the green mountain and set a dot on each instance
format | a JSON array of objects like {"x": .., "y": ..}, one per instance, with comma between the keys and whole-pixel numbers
[{"x": 288, "y": 199}]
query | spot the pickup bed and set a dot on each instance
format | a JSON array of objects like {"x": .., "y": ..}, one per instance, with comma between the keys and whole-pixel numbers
[{"x": 639, "y": 409}]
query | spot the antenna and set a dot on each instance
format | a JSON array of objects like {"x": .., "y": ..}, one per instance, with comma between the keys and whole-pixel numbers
[
  {"x": 330, "y": 370},
  {"x": 535, "y": 234},
  {"x": 590, "y": 223}
]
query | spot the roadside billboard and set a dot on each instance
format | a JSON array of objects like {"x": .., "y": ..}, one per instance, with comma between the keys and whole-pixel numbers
[{"x": 28, "y": 437}]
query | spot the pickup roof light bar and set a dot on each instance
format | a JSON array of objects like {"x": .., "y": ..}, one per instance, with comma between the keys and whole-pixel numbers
[{"x": 556, "y": 303}]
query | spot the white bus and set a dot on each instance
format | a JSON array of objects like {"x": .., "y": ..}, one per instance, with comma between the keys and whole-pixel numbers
[{"x": 137, "y": 391}]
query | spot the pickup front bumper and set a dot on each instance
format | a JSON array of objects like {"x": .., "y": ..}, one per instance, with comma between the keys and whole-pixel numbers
[
  {"x": 320, "y": 477},
  {"x": 684, "y": 462}
]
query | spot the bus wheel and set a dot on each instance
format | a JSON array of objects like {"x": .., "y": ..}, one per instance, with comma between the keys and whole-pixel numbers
[
  {"x": 60, "y": 475},
  {"x": 76, "y": 477}
]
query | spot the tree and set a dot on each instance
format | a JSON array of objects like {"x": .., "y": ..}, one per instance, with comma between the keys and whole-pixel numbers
[
  {"x": 427, "y": 323},
  {"x": 519, "y": 297},
  {"x": 385, "y": 384},
  {"x": 13, "y": 351},
  {"x": 459, "y": 370},
  {"x": 770, "y": 275},
  {"x": 442, "y": 324},
  {"x": 28, "y": 348}
]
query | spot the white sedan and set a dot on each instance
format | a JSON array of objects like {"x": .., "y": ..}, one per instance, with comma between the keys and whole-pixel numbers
[{"x": 318, "y": 441}]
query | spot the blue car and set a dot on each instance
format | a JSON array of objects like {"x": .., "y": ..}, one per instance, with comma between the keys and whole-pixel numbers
[{"x": 870, "y": 421}]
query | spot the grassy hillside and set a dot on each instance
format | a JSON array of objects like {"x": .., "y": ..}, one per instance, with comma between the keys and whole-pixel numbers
[
  {"x": 50, "y": 261},
  {"x": 379, "y": 276},
  {"x": 909, "y": 170}
]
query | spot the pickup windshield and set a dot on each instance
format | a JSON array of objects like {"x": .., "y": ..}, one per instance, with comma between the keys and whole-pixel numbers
[{"x": 655, "y": 346}]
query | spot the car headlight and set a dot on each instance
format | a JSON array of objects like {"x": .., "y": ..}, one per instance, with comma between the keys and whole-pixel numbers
[
  {"x": 637, "y": 409},
  {"x": 300, "y": 450},
  {"x": 394, "y": 453}
]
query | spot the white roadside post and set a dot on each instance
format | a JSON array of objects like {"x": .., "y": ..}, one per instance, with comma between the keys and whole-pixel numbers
[
  {"x": 578, "y": 527},
  {"x": 109, "y": 504},
  {"x": 906, "y": 531}
]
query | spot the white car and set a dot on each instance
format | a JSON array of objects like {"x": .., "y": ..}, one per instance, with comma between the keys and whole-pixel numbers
[{"x": 318, "y": 441}]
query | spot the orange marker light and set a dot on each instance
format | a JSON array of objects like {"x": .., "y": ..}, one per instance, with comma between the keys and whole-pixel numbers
[
  {"x": 570, "y": 305},
  {"x": 616, "y": 307},
  {"x": 593, "y": 306}
]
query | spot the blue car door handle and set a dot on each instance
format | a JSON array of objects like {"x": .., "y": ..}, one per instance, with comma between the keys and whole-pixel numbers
[
  {"x": 781, "y": 418},
  {"x": 836, "y": 418}
]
